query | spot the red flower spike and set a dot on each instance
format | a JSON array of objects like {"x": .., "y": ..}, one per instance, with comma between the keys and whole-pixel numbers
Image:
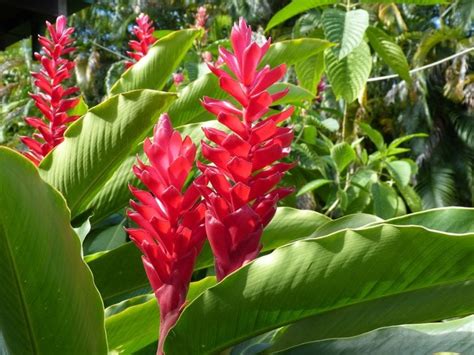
[
  {"x": 52, "y": 97},
  {"x": 242, "y": 196},
  {"x": 201, "y": 17},
  {"x": 143, "y": 32},
  {"x": 171, "y": 229}
]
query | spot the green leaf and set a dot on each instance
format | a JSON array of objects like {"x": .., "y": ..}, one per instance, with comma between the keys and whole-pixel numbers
[
  {"x": 340, "y": 285},
  {"x": 349, "y": 75},
  {"x": 412, "y": 199},
  {"x": 313, "y": 185},
  {"x": 49, "y": 304},
  {"x": 345, "y": 28},
  {"x": 137, "y": 325},
  {"x": 187, "y": 108},
  {"x": 450, "y": 337},
  {"x": 96, "y": 145},
  {"x": 154, "y": 69},
  {"x": 120, "y": 271},
  {"x": 294, "y": 8},
  {"x": 108, "y": 239},
  {"x": 309, "y": 72},
  {"x": 414, "y": 2},
  {"x": 389, "y": 51},
  {"x": 294, "y": 50},
  {"x": 374, "y": 135},
  {"x": 453, "y": 220},
  {"x": 351, "y": 221},
  {"x": 396, "y": 142},
  {"x": 385, "y": 200},
  {"x": 342, "y": 154},
  {"x": 400, "y": 170},
  {"x": 330, "y": 124},
  {"x": 296, "y": 95}
]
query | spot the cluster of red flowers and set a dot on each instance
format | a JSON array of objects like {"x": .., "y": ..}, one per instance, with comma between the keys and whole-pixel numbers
[
  {"x": 53, "y": 98},
  {"x": 171, "y": 219},
  {"x": 143, "y": 31},
  {"x": 238, "y": 186},
  {"x": 235, "y": 196}
]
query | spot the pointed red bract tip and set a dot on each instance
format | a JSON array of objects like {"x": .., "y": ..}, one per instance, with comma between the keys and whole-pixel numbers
[
  {"x": 240, "y": 189},
  {"x": 53, "y": 97},
  {"x": 170, "y": 219}
]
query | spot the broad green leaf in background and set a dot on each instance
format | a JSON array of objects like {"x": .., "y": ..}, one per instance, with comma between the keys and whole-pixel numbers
[
  {"x": 450, "y": 337},
  {"x": 351, "y": 221},
  {"x": 400, "y": 170},
  {"x": 49, "y": 303},
  {"x": 313, "y": 185},
  {"x": 296, "y": 95},
  {"x": 374, "y": 135},
  {"x": 108, "y": 239},
  {"x": 294, "y": 50},
  {"x": 349, "y": 75},
  {"x": 413, "y": 2},
  {"x": 345, "y": 28},
  {"x": 96, "y": 145},
  {"x": 120, "y": 271},
  {"x": 336, "y": 286},
  {"x": 389, "y": 51},
  {"x": 155, "y": 69},
  {"x": 309, "y": 72},
  {"x": 187, "y": 108},
  {"x": 137, "y": 325},
  {"x": 454, "y": 220},
  {"x": 294, "y": 8},
  {"x": 342, "y": 154},
  {"x": 385, "y": 200}
]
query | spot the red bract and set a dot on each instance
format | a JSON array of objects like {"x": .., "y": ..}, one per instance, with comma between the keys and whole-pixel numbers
[
  {"x": 242, "y": 198},
  {"x": 143, "y": 31},
  {"x": 171, "y": 221},
  {"x": 52, "y": 96}
]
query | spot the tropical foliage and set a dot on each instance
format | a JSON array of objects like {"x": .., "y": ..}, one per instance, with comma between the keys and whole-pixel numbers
[{"x": 367, "y": 255}]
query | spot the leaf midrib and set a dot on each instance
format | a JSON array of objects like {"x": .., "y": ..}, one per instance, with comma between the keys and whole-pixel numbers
[{"x": 23, "y": 303}]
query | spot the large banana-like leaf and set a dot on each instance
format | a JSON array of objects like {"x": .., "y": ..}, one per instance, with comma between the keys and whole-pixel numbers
[
  {"x": 414, "y": 2},
  {"x": 96, "y": 145},
  {"x": 349, "y": 75},
  {"x": 120, "y": 271},
  {"x": 345, "y": 28},
  {"x": 389, "y": 51},
  {"x": 136, "y": 326},
  {"x": 454, "y": 220},
  {"x": 294, "y": 50},
  {"x": 153, "y": 70},
  {"x": 341, "y": 285},
  {"x": 454, "y": 336},
  {"x": 49, "y": 304},
  {"x": 294, "y": 8}
]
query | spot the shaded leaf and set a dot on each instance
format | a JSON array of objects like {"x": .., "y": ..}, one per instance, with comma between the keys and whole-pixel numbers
[{"x": 49, "y": 303}]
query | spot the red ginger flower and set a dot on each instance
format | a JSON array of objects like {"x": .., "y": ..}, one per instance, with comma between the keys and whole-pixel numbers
[
  {"x": 242, "y": 198},
  {"x": 171, "y": 220},
  {"x": 143, "y": 31},
  {"x": 201, "y": 17},
  {"x": 52, "y": 97}
]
